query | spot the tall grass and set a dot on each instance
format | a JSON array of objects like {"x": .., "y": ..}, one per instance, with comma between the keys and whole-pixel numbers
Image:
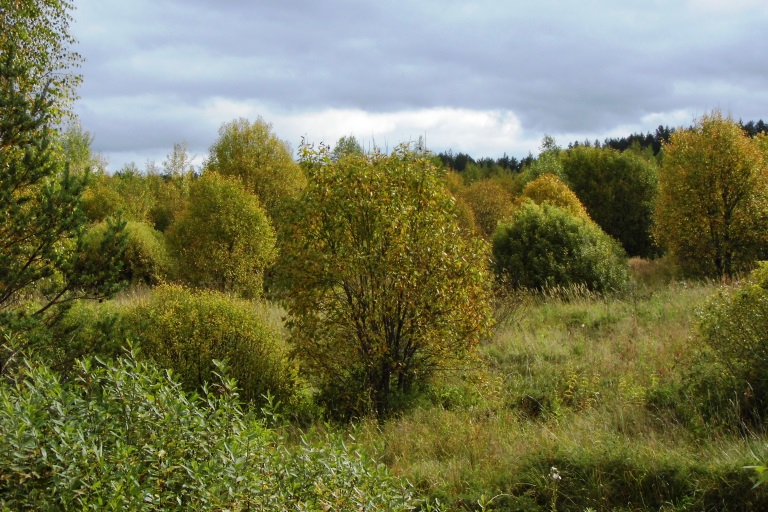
[{"x": 572, "y": 380}]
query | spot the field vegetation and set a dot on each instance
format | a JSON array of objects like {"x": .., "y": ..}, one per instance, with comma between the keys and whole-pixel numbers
[{"x": 370, "y": 330}]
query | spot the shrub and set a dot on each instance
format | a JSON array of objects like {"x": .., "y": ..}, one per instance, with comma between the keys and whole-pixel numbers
[
  {"x": 544, "y": 246},
  {"x": 186, "y": 330},
  {"x": 382, "y": 287},
  {"x": 145, "y": 260},
  {"x": 490, "y": 202},
  {"x": 125, "y": 436},
  {"x": 223, "y": 240},
  {"x": 549, "y": 189},
  {"x": 734, "y": 324}
]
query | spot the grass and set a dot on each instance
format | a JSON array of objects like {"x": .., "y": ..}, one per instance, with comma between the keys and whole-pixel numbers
[
  {"x": 590, "y": 385},
  {"x": 572, "y": 381}
]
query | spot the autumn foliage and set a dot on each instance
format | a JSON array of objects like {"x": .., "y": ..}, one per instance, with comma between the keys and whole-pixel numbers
[
  {"x": 712, "y": 210},
  {"x": 383, "y": 289}
]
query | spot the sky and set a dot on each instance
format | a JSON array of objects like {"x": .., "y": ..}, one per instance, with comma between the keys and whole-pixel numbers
[{"x": 483, "y": 77}]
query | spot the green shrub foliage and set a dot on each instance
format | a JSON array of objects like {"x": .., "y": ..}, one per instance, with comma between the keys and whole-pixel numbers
[
  {"x": 145, "y": 260},
  {"x": 618, "y": 190},
  {"x": 125, "y": 436},
  {"x": 545, "y": 246},
  {"x": 186, "y": 330},
  {"x": 734, "y": 324}
]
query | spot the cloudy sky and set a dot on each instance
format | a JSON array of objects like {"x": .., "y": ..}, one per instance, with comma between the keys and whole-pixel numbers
[{"x": 485, "y": 77}]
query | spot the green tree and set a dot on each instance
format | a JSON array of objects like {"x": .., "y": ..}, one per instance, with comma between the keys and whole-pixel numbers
[
  {"x": 383, "y": 289},
  {"x": 543, "y": 246},
  {"x": 76, "y": 145},
  {"x": 346, "y": 145},
  {"x": 35, "y": 35},
  {"x": 618, "y": 189},
  {"x": 223, "y": 239},
  {"x": 712, "y": 209},
  {"x": 253, "y": 154},
  {"x": 42, "y": 255}
]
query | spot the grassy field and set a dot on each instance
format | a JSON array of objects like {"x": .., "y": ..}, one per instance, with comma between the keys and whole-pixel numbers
[{"x": 578, "y": 402}]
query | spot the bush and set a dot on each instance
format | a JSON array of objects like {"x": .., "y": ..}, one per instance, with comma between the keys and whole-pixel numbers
[
  {"x": 490, "y": 202},
  {"x": 382, "y": 287},
  {"x": 549, "y": 189},
  {"x": 544, "y": 246},
  {"x": 223, "y": 240},
  {"x": 186, "y": 330},
  {"x": 125, "y": 436},
  {"x": 734, "y": 324},
  {"x": 146, "y": 259}
]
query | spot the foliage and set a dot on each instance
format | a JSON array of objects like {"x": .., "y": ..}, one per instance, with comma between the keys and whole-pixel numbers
[
  {"x": 549, "y": 161},
  {"x": 346, "y": 145},
  {"x": 382, "y": 287},
  {"x": 76, "y": 146},
  {"x": 734, "y": 323},
  {"x": 544, "y": 246},
  {"x": 41, "y": 231},
  {"x": 125, "y": 436},
  {"x": 145, "y": 260},
  {"x": 618, "y": 189},
  {"x": 35, "y": 36},
  {"x": 187, "y": 330},
  {"x": 712, "y": 209},
  {"x": 490, "y": 203},
  {"x": 253, "y": 154},
  {"x": 549, "y": 189},
  {"x": 223, "y": 240}
]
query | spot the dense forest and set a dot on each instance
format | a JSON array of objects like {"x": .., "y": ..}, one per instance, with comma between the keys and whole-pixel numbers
[{"x": 342, "y": 329}]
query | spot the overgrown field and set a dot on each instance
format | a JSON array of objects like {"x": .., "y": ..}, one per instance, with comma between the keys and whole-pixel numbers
[{"x": 606, "y": 391}]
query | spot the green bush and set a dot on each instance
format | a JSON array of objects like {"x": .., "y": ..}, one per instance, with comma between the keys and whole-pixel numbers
[
  {"x": 544, "y": 246},
  {"x": 125, "y": 436},
  {"x": 146, "y": 259},
  {"x": 186, "y": 330},
  {"x": 223, "y": 239},
  {"x": 734, "y": 324}
]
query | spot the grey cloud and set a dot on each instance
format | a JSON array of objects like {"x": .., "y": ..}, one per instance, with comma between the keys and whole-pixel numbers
[{"x": 580, "y": 68}]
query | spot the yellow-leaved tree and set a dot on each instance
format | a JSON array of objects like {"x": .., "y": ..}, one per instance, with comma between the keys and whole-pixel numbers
[
  {"x": 223, "y": 239},
  {"x": 549, "y": 189},
  {"x": 712, "y": 208},
  {"x": 251, "y": 152},
  {"x": 381, "y": 286}
]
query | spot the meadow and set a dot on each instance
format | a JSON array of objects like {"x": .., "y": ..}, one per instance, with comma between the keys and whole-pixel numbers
[{"x": 580, "y": 402}]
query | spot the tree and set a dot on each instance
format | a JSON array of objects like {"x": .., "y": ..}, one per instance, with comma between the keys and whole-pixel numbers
[
  {"x": 543, "y": 246},
  {"x": 346, "y": 145},
  {"x": 618, "y": 189},
  {"x": 43, "y": 260},
  {"x": 490, "y": 202},
  {"x": 382, "y": 288},
  {"x": 712, "y": 209},
  {"x": 548, "y": 162},
  {"x": 253, "y": 154},
  {"x": 35, "y": 35},
  {"x": 76, "y": 145},
  {"x": 223, "y": 240},
  {"x": 547, "y": 188}
]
